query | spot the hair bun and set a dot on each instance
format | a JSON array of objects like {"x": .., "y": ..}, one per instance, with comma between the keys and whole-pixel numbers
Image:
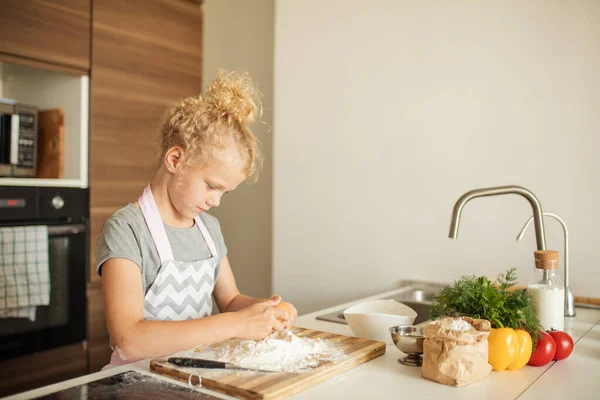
[{"x": 235, "y": 95}]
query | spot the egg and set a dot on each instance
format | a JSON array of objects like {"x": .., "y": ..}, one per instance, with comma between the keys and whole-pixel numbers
[{"x": 285, "y": 306}]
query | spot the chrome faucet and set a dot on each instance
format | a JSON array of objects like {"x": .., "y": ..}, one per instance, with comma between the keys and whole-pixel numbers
[
  {"x": 494, "y": 191},
  {"x": 569, "y": 298}
]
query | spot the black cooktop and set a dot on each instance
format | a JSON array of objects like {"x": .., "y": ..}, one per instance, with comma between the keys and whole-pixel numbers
[{"x": 128, "y": 385}]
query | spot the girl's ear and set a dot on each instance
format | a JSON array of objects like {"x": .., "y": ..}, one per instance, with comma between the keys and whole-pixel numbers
[{"x": 172, "y": 158}]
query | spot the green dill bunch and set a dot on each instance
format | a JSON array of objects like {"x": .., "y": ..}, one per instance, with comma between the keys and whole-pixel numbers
[{"x": 478, "y": 297}]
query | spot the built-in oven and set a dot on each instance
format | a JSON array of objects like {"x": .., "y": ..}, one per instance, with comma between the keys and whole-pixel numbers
[{"x": 65, "y": 212}]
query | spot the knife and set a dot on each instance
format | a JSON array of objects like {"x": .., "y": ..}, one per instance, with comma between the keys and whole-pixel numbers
[{"x": 201, "y": 363}]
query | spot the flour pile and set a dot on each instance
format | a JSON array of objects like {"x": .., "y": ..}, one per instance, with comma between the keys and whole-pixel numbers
[
  {"x": 280, "y": 351},
  {"x": 456, "y": 324}
]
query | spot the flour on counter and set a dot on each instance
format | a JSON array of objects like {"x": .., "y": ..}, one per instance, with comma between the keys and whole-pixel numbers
[{"x": 280, "y": 351}]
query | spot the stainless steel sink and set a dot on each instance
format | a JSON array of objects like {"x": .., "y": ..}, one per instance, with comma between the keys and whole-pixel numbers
[{"x": 418, "y": 296}]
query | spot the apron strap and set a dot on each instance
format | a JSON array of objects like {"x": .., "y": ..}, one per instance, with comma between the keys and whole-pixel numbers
[
  {"x": 157, "y": 228},
  {"x": 155, "y": 225},
  {"x": 207, "y": 238}
]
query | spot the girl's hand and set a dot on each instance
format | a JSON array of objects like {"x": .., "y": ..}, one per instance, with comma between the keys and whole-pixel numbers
[
  {"x": 291, "y": 314},
  {"x": 261, "y": 319}
]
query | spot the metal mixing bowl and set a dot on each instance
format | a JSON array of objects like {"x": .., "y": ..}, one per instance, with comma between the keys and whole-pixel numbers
[{"x": 409, "y": 340}]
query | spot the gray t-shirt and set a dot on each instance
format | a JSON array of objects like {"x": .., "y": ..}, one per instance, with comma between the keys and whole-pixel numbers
[{"x": 126, "y": 235}]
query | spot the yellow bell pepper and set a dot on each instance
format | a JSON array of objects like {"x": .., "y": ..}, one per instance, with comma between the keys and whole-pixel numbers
[
  {"x": 524, "y": 350},
  {"x": 508, "y": 349}
]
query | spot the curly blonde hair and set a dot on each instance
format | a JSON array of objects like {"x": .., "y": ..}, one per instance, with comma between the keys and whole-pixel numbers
[{"x": 202, "y": 126}]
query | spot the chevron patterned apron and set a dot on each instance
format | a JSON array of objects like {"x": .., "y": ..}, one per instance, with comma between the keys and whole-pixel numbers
[{"x": 181, "y": 290}]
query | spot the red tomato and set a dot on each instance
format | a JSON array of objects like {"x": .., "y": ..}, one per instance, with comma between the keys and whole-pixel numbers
[
  {"x": 544, "y": 351},
  {"x": 564, "y": 344}
]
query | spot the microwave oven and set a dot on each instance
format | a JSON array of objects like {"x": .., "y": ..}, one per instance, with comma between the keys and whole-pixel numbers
[{"x": 18, "y": 139}]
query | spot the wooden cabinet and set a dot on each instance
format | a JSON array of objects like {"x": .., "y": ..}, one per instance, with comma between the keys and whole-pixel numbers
[
  {"x": 145, "y": 56},
  {"x": 40, "y": 369},
  {"x": 97, "y": 338},
  {"x": 97, "y": 332},
  {"x": 53, "y": 32},
  {"x": 141, "y": 57}
]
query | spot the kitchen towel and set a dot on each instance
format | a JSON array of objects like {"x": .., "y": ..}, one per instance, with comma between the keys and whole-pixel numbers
[{"x": 24, "y": 271}]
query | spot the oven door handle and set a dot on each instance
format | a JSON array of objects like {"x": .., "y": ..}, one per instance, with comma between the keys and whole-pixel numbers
[{"x": 63, "y": 230}]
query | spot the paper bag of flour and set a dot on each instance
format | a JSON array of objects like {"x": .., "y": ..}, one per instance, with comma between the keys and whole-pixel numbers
[{"x": 455, "y": 351}]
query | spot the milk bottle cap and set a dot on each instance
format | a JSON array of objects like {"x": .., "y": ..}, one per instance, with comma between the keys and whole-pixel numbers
[{"x": 546, "y": 259}]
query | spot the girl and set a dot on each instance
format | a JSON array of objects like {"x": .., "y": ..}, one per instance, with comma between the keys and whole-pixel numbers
[{"x": 163, "y": 257}]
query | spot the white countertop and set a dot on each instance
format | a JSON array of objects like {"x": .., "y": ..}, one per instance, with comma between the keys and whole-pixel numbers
[{"x": 383, "y": 377}]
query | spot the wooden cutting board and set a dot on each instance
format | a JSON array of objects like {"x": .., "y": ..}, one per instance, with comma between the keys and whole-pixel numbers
[{"x": 257, "y": 385}]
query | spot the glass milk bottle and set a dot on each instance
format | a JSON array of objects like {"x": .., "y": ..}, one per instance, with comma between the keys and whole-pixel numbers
[{"x": 548, "y": 290}]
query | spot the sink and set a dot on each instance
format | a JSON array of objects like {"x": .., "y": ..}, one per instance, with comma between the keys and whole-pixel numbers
[
  {"x": 419, "y": 297},
  {"x": 422, "y": 310}
]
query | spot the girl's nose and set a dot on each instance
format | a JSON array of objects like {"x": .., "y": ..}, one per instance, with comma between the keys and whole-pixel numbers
[{"x": 214, "y": 201}]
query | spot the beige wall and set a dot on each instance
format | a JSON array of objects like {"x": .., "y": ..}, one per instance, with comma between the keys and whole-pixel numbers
[
  {"x": 238, "y": 36},
  {"x": 387, "y": 111}
]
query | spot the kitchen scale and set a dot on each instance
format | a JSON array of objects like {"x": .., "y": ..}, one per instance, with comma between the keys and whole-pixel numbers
[{"x": 128, "y": 385}]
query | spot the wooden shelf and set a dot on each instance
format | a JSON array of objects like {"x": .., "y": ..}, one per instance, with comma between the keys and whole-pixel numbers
[{"x": 77, "y": 183}]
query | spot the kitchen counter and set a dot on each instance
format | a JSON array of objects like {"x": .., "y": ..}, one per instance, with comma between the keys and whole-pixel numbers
[
  {"x": 384, "y": 378},
  {"x": 577, "y": 377}
]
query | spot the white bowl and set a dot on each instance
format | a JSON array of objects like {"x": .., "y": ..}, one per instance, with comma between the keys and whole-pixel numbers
[{"x": 373, "y": 319}]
